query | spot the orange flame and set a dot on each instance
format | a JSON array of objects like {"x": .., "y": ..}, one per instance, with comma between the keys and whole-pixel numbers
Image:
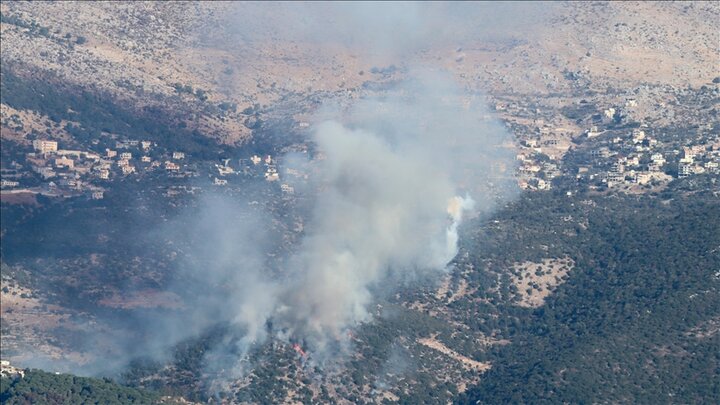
[{"x": 299, "y": 349}]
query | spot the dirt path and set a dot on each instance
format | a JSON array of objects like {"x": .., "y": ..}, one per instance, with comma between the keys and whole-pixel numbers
[{"x": 465, "y": 361}]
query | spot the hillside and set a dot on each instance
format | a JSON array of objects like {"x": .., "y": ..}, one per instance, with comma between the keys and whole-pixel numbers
[
  {"x": 163, "y": 177},
  {"x": 140, "y": 52},
  {"x": 48, "y": 388}
]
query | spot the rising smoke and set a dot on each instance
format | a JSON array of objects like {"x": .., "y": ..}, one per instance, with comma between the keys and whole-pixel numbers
[
  {"x": 394, "y": 179},
  {"x": 398, "y": 175},
  {"x": 391, "y": 200}
]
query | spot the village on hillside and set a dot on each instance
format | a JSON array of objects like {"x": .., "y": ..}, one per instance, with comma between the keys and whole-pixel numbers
[
  {"x": 610, "y": 149},
  {"x": 52, "y": 171},
  {"x": 609, "y": 154}
]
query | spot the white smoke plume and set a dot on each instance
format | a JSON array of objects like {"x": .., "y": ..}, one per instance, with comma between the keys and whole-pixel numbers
[
  {"x": 383, "y": 209},
  {"x": 393, "y": 180},
  {"x": 396, "y": 177}
]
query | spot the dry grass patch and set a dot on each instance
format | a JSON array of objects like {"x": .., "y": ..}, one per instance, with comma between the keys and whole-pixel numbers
[
  {"x": 467, "y": 362},
  {"x": 535, "y": 281}
]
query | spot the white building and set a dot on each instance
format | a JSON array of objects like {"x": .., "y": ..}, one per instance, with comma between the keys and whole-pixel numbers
[
  {"x": 7, "y": 369},
  {"x": 178, "y": 155},
  {"x": 224, "y": 170},
  {"x": 65, "y": 152},
  {"x": 712, "y": 167},
  {"x": 287, "y": 189},
  {"x": 638, "y": 136},
  {"x": 45, "y": 146},
  {"x": 685, "y": 169},
  {"x": 272, "y": 175},
  {"x": 658, "y": 159},
  {"x": 609, "y": 113},
  {"x": 9, "y": 183},
  {"x": 64, "y": 162},
  {"x": 46, "y": 172},
  {"x": 689, "y": 153},
  {"x": 614, "y": 178},
  {"x": 593, "y": 131}
]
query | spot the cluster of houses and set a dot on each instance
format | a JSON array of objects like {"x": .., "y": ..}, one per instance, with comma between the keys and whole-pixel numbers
[
  {"x": 8, "y": 370},
  {"x": 79, "y": 172},
  {"x": 639, "y": 159},
  {"x": 534, "y": 174},
  {"x": 254, "y": 165},
  {"x": 698, "y": 160},
  {"x": 617, "y": 157},
  {"x": 122, "y": 157},
  {"x": 76, "y": 171}
]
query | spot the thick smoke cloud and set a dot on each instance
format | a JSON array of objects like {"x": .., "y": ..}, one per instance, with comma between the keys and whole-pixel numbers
[
  {"x": 391, "y": 199},
  {"x": 382, "y": 209},
  {"x": 393, "y": 181}
]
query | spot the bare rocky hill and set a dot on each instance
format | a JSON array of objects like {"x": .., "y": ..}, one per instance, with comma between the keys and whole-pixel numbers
[{"x": 142, "y": 52}]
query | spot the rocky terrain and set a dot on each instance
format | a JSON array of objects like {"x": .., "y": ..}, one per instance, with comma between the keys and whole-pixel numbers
[{"x": 140, "y": 51}]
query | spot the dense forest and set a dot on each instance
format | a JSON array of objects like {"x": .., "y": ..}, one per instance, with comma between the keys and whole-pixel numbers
[
  {"x": 636, "y": 321},
  {"x": 39, "y": 387}
]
